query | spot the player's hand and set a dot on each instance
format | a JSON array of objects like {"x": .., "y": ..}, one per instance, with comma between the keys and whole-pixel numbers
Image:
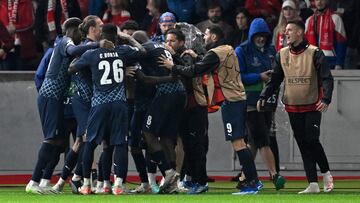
[
  {"x": 190, "y": 52},
  {"x": 106, "y": 44},
  {"x": 170, "y": 49},
  {"x": 130, "y": 71},
  {"x": 321, "y": 106},
  {"x": 260, "y": 103},
  {"x": 165, "y": 62},
  {"x": 265, "y": 76}
]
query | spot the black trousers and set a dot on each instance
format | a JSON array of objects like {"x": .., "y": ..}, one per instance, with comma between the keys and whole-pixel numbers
[
  {"x": 193, "y": 133},
  {"x": 306, "y": 128}
]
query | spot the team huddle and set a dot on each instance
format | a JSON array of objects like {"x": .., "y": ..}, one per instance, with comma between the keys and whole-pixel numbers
[{"x": 130, "y": 92}]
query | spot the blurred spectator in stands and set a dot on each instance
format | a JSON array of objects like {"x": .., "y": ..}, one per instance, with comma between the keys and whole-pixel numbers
[
  {"x": 137, "y": 9},
  {"x": 289, "y": 12},
  {"x": 266, "y": 9},
  {"x": 228, "y": 7},
  {"x": 347, "y": 10},
  {"x": 84, "y": 8},
  {"x": 305, "y": 10},
  {"x": 117, "y": 13},
  {"x": 17, "y": 17},
  {"x": 151, "y": 21},
  {"x": 183, "y": 9},
  {"x": 241, "y": 31},
  {"x": 325, "y": 29},
  {"x": 166, "y": 22},
  {"x": 49, "y": 16},
  {"x": 214, "y": 13},
  {"x": 6, "y": 44},
  {"x": 97, "y": 7}
]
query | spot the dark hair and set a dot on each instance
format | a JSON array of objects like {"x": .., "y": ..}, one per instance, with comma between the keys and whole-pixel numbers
[
  {"x": 214, "y": 29},
  {"x": 177, "y": 32},
  {"x": 89, "y": 21},
  {"x": 71, "y": 23},
  {"x": 109, "y": 32},
  {"x": 299, "y": 23},
  {"x": 129, "y": 25},
  {"x": 214, "y": 4},
  {"x": 243, "y": 11}
]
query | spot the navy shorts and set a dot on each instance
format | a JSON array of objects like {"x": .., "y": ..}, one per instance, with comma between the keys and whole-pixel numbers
[
  {"x": 234, "y": 117},
  {"x": 164, "y": 115},
  {"x": 137, "y": 122},
  {"x": 108, "y": 122},
  {"x": 81, "y": 111},
  {"x": 51, "y": 113}
]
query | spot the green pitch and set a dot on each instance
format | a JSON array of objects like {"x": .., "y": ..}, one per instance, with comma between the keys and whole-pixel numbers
[{"x": 345, "y": 191}]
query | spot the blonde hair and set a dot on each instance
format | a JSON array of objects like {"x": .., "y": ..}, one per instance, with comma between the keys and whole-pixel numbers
[{"x": 280, "y": 27}]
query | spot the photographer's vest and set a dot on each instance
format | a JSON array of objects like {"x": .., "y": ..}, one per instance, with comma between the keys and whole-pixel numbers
[
  {"x": 301, "y": 82},
  {"x": 224, "y": 83}
]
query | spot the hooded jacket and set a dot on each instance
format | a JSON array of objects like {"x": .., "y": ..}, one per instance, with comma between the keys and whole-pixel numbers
[{"x": 252, "y": 61}]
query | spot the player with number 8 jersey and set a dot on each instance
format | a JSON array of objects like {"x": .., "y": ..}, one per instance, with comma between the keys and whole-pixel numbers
[{"x": 108, "y": 119}]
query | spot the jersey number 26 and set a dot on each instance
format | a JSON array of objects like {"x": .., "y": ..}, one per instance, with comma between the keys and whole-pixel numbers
[{"x": 118, "y": 72}]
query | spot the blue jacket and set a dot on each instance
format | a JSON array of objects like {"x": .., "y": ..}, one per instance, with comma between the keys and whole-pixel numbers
[{"x": 252, "y": 61}]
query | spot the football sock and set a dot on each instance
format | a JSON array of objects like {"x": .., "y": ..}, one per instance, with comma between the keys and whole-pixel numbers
[
  {"x": 88, "y": 157},
  {"x": 50, "y": 167},
  {"x": 140, "y": 164},
  {"x": 121, "y": 161},
  {"x": 107, "y": 162},
  {"x": 44, "y": 156},
  {"x": 248, "y": 165},
  {"x": 71, "y": 160}
]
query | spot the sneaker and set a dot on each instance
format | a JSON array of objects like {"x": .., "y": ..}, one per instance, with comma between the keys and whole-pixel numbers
[
  {"x": 247, "y": 189},
  {"x": 312, "y": 188},
  {"x": 184, "y": 186},
  {"x": 143, "y": 188},
  {"x": 155, "y": 189},
  {"x": 34, "y": 188},
  {"x": 85, "y": 190},
  {"x": 198, "y": 189},
  {"x": 57, "y": 189},
  {"x": 242, "y": 183},
  {"x": 75, "y": 185},
  {"x": 279, "y": 181},
  {"x": 119, "y": 190},
  {"x": 103, "y": 191},
  {"x": 259, "y": 185},
  {"x": 169, "y": 180},
  {"x": 328, "y": 182}
]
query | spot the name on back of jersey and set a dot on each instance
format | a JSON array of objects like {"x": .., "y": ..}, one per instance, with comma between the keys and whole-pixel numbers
[{"x": 108, "y": 55}]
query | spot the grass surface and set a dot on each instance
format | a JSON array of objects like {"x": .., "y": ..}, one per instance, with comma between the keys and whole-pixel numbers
[{"x": 345, "y": 191}]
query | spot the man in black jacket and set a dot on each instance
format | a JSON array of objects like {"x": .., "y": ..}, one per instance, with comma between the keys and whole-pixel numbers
[{"x": 308, "y": 90}]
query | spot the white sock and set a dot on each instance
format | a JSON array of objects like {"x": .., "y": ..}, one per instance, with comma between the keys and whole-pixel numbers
[
  {"x": 107, "y": 183},
  {"x": 87, "y": 182},
  {"x": 44, "y": 183},
  {"x": 99, "y": 184},
  {"x": 118, "y": 182},
  {"x": 151, "y": 178},
  {"x": 76, "y": 177},
  {"x": 326, "y": 174},
  {"x": 61, "y": 182},
  {"x": 33, "y": 183}
]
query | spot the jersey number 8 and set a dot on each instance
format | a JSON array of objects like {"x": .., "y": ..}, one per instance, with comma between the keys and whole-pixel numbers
[{"x": 118, "y": 71}]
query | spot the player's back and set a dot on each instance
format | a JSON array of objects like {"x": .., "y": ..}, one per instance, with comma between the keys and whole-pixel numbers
[
  {"x": 151, "y": 62},
  {"x": 108, "y": 71},
  {"x": 56, "y": 79}
]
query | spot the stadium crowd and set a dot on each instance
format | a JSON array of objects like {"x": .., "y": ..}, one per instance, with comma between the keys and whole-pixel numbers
[{"x": 144, "y": 75}]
